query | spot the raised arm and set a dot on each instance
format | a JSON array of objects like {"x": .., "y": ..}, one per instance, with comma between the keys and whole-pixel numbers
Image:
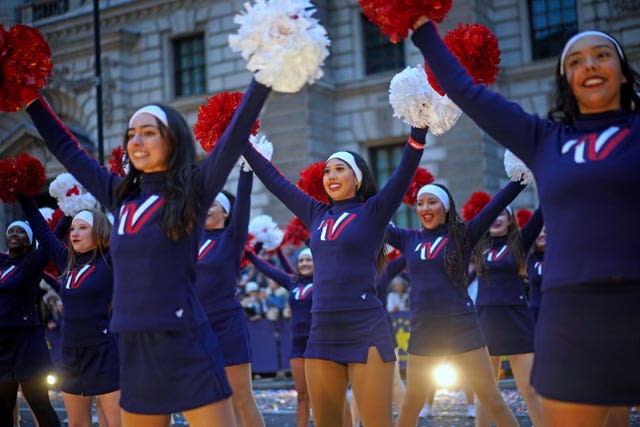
[
  {"x": 505, "y": 121},
  {"x": 303, "y": 206},
  {"x": 49, "y": 243},
  {"x": 481, "y": 222},
  {"x": 282, "y": 278},
  {"x": 286, "y": 264},
  {"x": 215, "y": 169},
  {"x": 241, "y": 208},
  {"x": 530, "y": 232},
  {"x": 63, "y": 144},
  {"x": 385, "y": 203}
]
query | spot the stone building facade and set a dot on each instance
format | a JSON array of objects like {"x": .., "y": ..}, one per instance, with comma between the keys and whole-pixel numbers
[{"x": 347, "y": 109}]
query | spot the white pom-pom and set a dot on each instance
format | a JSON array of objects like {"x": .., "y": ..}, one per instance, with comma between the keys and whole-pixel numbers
[
  {"x": 516, "y": 169},
  {"x": 284, "y": 46},
  {"x": 262, "y": 146},
  {"x": 74, "y": 204},
  {"x": 265, "y": 230},
  {"x": 416, "y": 103},
  {"x": 71, "y": 196}
]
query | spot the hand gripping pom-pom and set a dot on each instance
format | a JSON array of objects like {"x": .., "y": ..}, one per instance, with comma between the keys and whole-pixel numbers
[
  {"x": 262, "y": 146},
  {"x": 311, "y": 181},
  {"x": 265, "y": 230},
  {"x": 477, "y": 201},
  {"x": 22, "y": 176},
  {"x": 396, "y": 17},
  {"x": 25, "y": 66},
  {"x": 416, "y": 103},
  {"x": 516, "y": 169},
  {"x": 296, "y": 233},
  {"x": 477, "y": 50},
  {"x": 284, "y": 46},
  {"x": 214, "y": 118}
]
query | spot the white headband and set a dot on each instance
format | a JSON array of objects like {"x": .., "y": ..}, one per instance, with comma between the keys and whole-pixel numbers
[
  {"x": 351, "y": 161},
  {"x": 224, "y": 202},
  {"x": 24, "y": 226},
  {"x": 436, "y": 191},
  {"x": 509, "y": 210},
  {"x": 578, "y": 36},
  {"x": 154, "y": 110},
  {"x": 305, "y": 251},
  {"x": 85, "y": 216}
]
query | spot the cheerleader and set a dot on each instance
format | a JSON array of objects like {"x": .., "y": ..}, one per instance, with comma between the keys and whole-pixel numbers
[
  {"x": 587, "y": 148},
  {"x": 503, "y": 313},
  {"x": 24, "y": 357},
  {"x": 170, "y": 360},
  {"x": 218, "y": 268},
  {"x": 350, "y": 340},
  {"x": 300, "y": 287},
  {"x": 443, "y": 317},
  {"x": 89, "y": 365},
  {"x": 535, "y": 267}
]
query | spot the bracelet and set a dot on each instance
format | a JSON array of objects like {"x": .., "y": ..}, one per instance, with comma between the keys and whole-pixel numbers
[{"x": 415, "y": 144}]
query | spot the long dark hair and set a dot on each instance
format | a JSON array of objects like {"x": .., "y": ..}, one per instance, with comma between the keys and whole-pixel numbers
[
  {"x": 566, "y": 108},
  {"x": 514, "y": 242},
  {"x": 454, "y": 261},
  {"x": 183, "y": 200}
]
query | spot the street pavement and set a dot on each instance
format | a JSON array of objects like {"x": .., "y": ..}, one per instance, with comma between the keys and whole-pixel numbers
[{"x": 277, "y": 402}]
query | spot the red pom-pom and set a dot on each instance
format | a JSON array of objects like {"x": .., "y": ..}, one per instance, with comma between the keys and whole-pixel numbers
[
  {"x": 523, "y": 216},
  {"x": 477, "y": 49},
  {"x": 23, "y": 175},
  {"x": 25, "y": 66},
  {"x": 31, "y": 173},
  {"x": 215, "y": 116},
  {"x": 296, "y": 233},
  {"x": 248, "y": 247},
  {"x": 421, "y": 178},
  {"x": 117, "y": 161},
  {"x": 9, "y": 181},
  {"x": 396, "y": 17},
  {"x": 311, "y": 181},
  {"x": 476, "y": 202}
]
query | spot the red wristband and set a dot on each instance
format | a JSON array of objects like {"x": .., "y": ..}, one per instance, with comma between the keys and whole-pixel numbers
[{"x": 415, "y": 144}]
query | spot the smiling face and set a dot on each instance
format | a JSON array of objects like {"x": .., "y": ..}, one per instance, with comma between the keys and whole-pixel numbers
[
  {"x": 17, "y": 240},
  {"x": 81, "y": 236},
  {"x": 500, "y": 226},
  {"x": 339, "y": 180},
  {"x": 430, "y": 211},
  {"x": 593, "y": 71},
  {"x": 305, "y": 265},
  {"x": 147, "y": 149},
  {"x": 216, "y": 216}
]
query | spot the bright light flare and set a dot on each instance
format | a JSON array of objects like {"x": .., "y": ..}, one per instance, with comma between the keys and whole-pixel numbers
[
  {"x": 51, "y": 379},
  {"x": 445, "y": 375}
]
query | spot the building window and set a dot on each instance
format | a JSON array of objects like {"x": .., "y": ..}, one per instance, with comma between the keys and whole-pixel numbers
[
  {"x": 47, "y": 9},
  {"x": 380, "y": 54},
  {"x": 384, "y": 160},
  {"x": 552, "y": 23},
  {"x": 188, "y": 65}
]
